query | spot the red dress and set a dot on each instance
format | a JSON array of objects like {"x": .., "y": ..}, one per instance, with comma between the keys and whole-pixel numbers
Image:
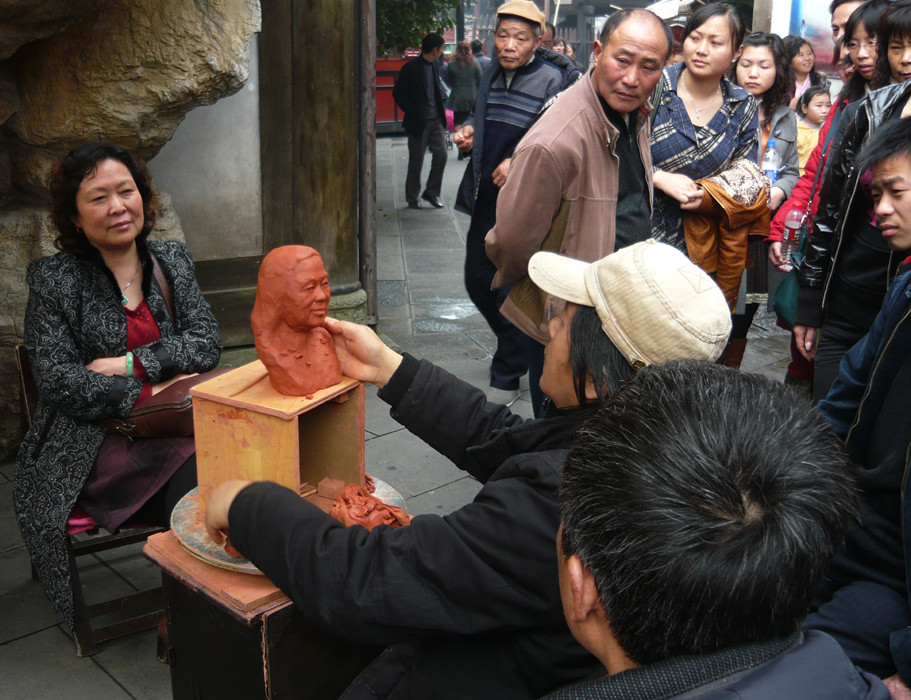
[{"x": 128, "y": 472}]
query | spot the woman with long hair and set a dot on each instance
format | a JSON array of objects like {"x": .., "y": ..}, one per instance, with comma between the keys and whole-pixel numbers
[
  {"x": 463, "y": 77},
  {"x": 848, "y": 264},
  {"x": 763, "y": 71},
  {"x": 801, "y": 370},
  {"x": 702, "y": 120},
  {"x": 800, "y": 56}
]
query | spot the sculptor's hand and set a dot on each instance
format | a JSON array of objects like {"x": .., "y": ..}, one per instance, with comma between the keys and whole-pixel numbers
[
  {"x": 219, "y": 504},
  {"x": 362, "y": 354}
]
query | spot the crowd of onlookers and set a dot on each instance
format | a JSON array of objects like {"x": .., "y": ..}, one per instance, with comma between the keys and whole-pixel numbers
[
  {"x": 737, "y": 151},
  {"x": 666, "y": 526}
]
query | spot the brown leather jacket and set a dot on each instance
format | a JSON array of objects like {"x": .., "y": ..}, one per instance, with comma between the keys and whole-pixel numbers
[
  {"x": 717, "y": 232},
  {"x": 561, "y": 196}
]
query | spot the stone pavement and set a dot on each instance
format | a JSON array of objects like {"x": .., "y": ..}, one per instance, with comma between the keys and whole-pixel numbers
[{"x": 423, "y": 309}]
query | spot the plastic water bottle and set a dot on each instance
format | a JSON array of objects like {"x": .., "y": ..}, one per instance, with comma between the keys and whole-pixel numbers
[
  {"x": 790, "y": 236},
  {"x": 771, "y": 162}
]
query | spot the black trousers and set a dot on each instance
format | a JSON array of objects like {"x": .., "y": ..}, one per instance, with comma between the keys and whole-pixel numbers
[
  {"x": 510, "y": 358},
  {"x": 434, "y": 138}
]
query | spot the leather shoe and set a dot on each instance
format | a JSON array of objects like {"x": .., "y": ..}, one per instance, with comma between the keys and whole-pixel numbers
[
  {"x": 414, "y": 205},
  {"x": 433, "y": 201}
]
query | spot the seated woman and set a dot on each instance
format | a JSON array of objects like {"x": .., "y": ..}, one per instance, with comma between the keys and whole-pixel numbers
[{"x": 101, "y": 340}]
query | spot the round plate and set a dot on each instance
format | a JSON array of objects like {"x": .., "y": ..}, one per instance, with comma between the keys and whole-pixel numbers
[{"x": 191, "y": 532}]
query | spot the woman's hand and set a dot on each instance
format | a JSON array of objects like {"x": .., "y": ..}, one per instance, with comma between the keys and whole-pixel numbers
[
  {"x": 776, "y": 198},
  {"x": 775, "y": 255},
  {"x": 161, "y": 386},
  {"x": 805, "y": 339},
  {"x": 361, "y": 353},
  {"x": 109, "y": 366},
  {"x": 219, "y": 505},
  {"x": 679, "y": 187}
]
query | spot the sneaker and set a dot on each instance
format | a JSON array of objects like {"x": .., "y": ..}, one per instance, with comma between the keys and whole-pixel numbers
[{"x": 507, "y": 397}]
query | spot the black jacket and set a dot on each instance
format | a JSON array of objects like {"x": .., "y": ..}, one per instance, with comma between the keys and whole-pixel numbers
[
  {"x": 470, "y": 600},
  {"x": 807, "y": 666},
  {"x": 837, "y": 200},
  {"x": 410, "y": 94},
  {"x": 74, "y": 316}
]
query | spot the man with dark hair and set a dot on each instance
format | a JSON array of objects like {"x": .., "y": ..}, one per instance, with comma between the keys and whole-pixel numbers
[
  {"x": 419, "y": 94},
  {"x": 565, "y": 194},
  {"x": 547, "y": 36},
  {"x": 469, "y": 601},
  {"x": 510, "y": 97},
  {"x": 864, "y": 604},
  {"x": 477, "y": 48},
  {"x": 840, "y": 11},
  {"x": 700, "y": 511}
]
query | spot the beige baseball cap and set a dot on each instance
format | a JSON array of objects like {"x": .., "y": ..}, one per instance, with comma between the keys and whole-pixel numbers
[
  {"x": 654, "y": 304},
  {"x": 524, "y": 9}
]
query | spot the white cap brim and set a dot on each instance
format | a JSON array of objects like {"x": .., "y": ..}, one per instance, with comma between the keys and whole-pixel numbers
[{"x": 560, "y": 276}]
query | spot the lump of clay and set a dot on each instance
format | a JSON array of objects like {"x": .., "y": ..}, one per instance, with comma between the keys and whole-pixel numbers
[
  {"x": 292, "y": 301},
  {"x": 354, "y": 506}
]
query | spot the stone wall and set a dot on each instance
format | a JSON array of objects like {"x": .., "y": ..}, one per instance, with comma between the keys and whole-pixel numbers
[{"x": 72, "y": 71}]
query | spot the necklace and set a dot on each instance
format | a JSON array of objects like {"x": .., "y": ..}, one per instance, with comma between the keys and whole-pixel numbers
[
  {"x": 123, "y": 290},
  {"x": 708, "y": 104}
]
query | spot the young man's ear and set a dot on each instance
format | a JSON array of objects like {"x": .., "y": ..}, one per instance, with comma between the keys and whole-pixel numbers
[{"x": 585, "y": 600}]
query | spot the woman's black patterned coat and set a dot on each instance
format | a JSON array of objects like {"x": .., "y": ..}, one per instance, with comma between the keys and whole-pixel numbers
[{"x": 74, "y": 316}]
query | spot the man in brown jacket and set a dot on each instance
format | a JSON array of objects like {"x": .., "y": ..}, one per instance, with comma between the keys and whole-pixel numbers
[{"x": 580, "y": 180}]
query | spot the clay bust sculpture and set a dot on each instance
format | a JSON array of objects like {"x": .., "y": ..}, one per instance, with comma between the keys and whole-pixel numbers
[{"x": 292, "y": 301}]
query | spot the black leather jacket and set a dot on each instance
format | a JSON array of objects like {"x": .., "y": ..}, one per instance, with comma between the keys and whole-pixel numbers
[{"x": 837, "y": 202}]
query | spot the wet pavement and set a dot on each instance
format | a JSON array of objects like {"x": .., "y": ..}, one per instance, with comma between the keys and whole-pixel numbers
[{"x": 424, "y": 310}]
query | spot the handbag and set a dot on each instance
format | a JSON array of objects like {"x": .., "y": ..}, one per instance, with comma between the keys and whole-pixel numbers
[
  {"x": 169, "y": 413},
  {"x": 785, "y": 300}
]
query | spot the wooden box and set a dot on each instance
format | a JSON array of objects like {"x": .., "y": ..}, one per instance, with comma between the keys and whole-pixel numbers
[
  {"x": 232, "y": 635},
  {"x": 245, "y": 429}
]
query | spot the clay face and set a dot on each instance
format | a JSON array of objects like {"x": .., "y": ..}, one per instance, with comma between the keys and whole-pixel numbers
[
  {"x": 292, "y": 301},
  {"x": 306, "y": 299}
]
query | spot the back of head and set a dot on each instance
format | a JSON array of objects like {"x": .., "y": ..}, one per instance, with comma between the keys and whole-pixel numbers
[
  {"x": 707, "y": 504},
  {"x": 430, "y": 42},
  {"x": 891, "y": 140},
  {"x": 476, "y": 46}
]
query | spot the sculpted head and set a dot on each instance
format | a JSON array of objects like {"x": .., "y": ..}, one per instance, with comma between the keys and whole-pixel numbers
[
  {"x": 292, "y": 289},
  {"x": 292, "y": 301}
]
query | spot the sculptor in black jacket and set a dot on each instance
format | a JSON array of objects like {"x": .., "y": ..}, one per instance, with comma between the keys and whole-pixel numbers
[
  {"x": 418, "y": 92},
  {"x": 469, "y": 601}
]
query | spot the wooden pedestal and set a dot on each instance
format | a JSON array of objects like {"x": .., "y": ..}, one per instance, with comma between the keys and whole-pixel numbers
[
  {"x": 245, "y": 429},
  {"x": 233, "y": 635}
]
